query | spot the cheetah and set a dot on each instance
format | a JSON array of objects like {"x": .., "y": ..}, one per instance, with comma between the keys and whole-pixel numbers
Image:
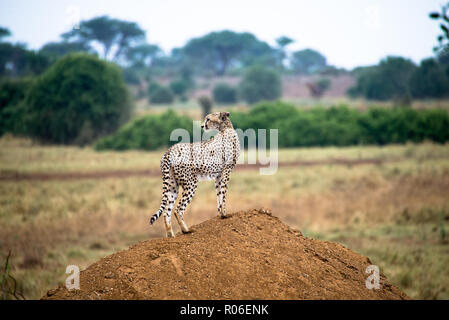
[{"x": 185, "y": 164}]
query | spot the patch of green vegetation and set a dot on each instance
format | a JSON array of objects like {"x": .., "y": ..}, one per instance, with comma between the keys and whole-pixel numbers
[{"x": 334, "y": 126}]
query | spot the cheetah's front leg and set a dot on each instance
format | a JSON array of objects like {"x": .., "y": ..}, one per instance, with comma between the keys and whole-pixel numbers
[{"x": 221, "y": 186}]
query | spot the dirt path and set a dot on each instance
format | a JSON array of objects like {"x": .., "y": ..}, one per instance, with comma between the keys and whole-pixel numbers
[
  {"x": 45, "y": 176},
  {"x": 250, "y": 255}
]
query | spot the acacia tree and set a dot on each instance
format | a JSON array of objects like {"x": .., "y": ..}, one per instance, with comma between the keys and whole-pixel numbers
[
  {"x": 443, "y": 39},
  {"x": 139, "y": 60},
  {"x": 17, "y": 61},
  {"x": 129, "y": 33},
  {"x": 282, "y": 43},
  {"x": 109, "y": 33},
  {"x": 4, "y": 32},
  {"x": 389, "y": 80},
  {"x": 218, "y": 51},
  {"x": 143, "y": 54},
  {"x": 259, "y": 84},
  {"x": 307, "y": 61}
]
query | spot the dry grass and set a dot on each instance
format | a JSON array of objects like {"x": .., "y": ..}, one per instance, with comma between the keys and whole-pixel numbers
[
  {"x": 25, "y": 156},
  {"x": 397, "y": 213}
]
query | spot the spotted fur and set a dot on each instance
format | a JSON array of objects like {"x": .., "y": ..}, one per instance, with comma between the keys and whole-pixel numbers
[{"x": 185, "y": 164}]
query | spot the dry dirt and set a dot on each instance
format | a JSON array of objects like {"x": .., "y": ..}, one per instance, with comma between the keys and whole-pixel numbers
[
  {"x": 250, "y": 255},
  {"x": 293, "y": 86}
]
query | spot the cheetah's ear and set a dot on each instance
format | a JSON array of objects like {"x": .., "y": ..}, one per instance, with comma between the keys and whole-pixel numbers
[{"x": 224, "y": 115}]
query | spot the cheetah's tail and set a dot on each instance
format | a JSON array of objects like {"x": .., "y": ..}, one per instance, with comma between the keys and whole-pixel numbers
[
  {"x": 161, "y": 209},
  {"x": 165, "y": 169}
]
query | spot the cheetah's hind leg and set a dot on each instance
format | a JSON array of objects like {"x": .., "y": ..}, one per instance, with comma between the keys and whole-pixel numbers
[
  {"x": 169, "y": 196},
  {"x": 188, "y": 193},
  {"x": 172, "y": 194}
]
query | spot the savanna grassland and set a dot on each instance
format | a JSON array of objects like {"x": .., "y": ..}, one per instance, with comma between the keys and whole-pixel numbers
[{"x": 394, "y": 210}]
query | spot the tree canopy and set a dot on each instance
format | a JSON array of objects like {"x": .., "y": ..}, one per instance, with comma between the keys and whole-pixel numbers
[
  {"x": 112, "y": 34},
  {"x": 307, "y": 61},
  {"x": 282, "y": 43},
  {"x": 389, "y": 80},
  {"x": 442, "y": 49},
  {"x": 218, "y": 51},
  {"x": 429, "y": 80},
  {"x": 4, "y": 32},
  {"x": 259, "y": 84},
  {"x": 17, "y": 61}
]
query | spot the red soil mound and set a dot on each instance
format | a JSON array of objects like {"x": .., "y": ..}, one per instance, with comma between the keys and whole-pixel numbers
[{"x": 250, "y": 255}]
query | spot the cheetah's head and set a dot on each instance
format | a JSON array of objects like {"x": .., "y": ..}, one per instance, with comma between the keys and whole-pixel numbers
[{"x": 218, "y": 121}]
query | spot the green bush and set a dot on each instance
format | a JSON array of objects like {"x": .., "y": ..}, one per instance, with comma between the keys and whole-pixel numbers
[
  {"x": 307, "y": 61},
  {"x": 225, "y": 94},
  {"x": 387, "y": 81},
  {"x": 179, "y": 87},
  {"x": 153, "y": 87},
  {"x": 334, "y": 126},
  {"x": 12, "y": 93},
  {"x": 343, "y": 126},
  {"x": 260, "y": 84},
  {"x": 131, "y": 76},
  {"x": 429, "y": 80},
  {"x": 265, "y": 115},
  {"x": 159, "y": 94},
  {"x": 399, "y": 79},
  {"x": 77, "y": 100},
  {"x": 146, "y": 133}
]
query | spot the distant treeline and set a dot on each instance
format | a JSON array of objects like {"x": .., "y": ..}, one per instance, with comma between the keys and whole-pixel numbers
[
  {"x": 400, "y": 80},
  {"x": 220, "y": 53},
  {"x": 335, "y": 126},
  {"x": 82, "y": 98},
  {"x": 124, "y": 43},
  {"x": 65, "y": 93}
]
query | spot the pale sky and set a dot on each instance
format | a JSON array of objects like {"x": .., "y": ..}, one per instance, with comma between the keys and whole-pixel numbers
[{"x": 348, "y": 32}]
